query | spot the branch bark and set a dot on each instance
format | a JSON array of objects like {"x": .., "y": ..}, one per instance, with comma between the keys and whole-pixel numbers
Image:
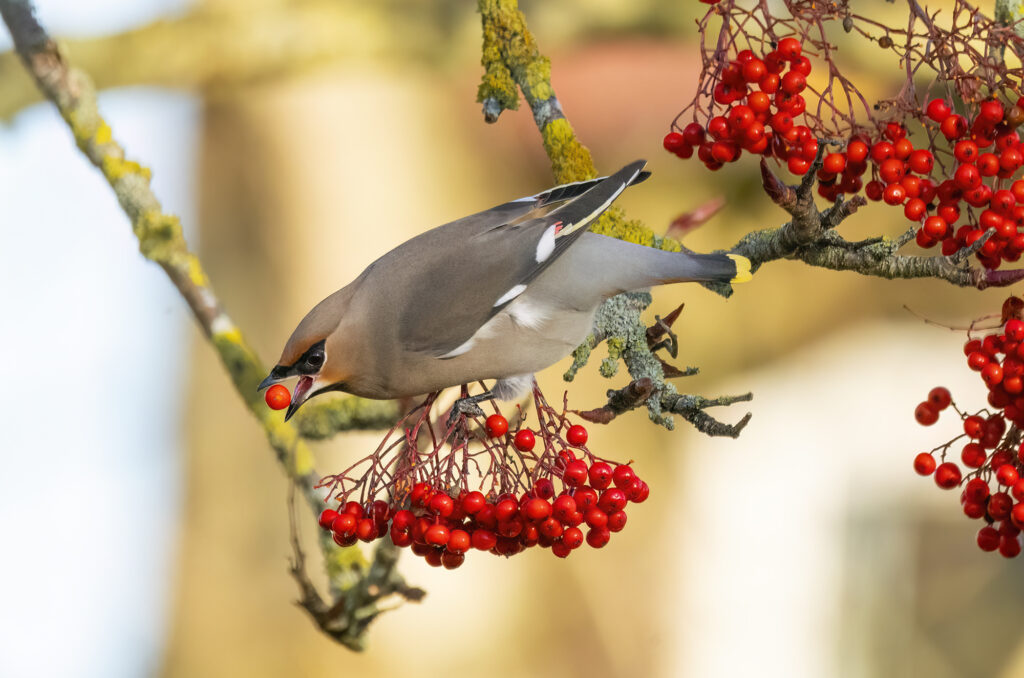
[{"x": 161, "y": 240}]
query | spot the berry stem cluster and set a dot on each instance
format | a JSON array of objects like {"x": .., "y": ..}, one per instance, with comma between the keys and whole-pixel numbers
[
  {"x": 474, "y": 482},
  {"x": 991, "y": 462}
]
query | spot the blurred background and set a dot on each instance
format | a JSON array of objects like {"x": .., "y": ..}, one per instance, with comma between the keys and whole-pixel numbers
[{"x": 145, "y": 518}]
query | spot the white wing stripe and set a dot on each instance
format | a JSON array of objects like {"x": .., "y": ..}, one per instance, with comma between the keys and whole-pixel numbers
[{"x": 510, "y": 295}]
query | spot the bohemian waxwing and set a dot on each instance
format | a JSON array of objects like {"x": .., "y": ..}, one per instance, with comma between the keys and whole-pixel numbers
[{"x": 495, "y": 295}]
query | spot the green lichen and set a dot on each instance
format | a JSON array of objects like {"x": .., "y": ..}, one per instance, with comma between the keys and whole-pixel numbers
[
  {"x": 320, "y": 420},
  {"x": 580, "y": 356}
]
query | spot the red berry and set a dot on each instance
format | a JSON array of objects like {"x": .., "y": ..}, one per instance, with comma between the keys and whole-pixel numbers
[
  {"x": 451, "y": 560},
  {"x": 974, "y": 426},
  {"x": 327, "y": 517},
  {"x": 623, "y": 476},
  {"x": 916, "y": 208},
  {"x": 612, "y": 500},
  {"x": 437, "y": 535},
  {"x": 536, "y": 509},
  {"x": 563, "y": 508},
  {"x": 550, "y": 528},
  {"x": 990, "y": 111},
  {"x": 576, "y": 436},
  {"x": 953, "y": 127},
  {"x": 617, "y": 521},
  {"x": 595, "y": 517},
  {"x": 926, "y": 414},
  {"x": 834, "y": 163},
  {"x": 572, "y": 537},
  {"x": 366, "y": 529},
  {"x": 924, "y": 463},
  {"x": 585, "y": 498},
  {"x": 344, "y": 524},
  {"x": 483, "y": 540},
  {"x": 505, "y": 509},
  {"x": 992, "y": 374},
  {"x": 638, "y": 491},
  {"x": 278, "y": 397},
  {"x": 544, "y": 488},
  {"x": 947, "y": 475},
  {"x": 693, "y": 134},
  {"x": 597, "y": 537},
  {"x": 673, "y": 142},
  {"x": 459, "y": 541},
  {"x": 988, "y": 538},
  {"x": 976, "y": 490},
  {"x": 789, "y": 49},
  {"x": 473, "y": 502},
  {"x": 938, "y": 110},
  {"x": 1007, "y": 475},
  {"x": 999, "y": 506},
  {"x": 600, "y": 475},
  {"x": 442, "y": 504},
  {"x": 496, "y": 425},
  {"x": 973, "y": 455},
  {"x": 935, "y": 227},
  {"x": 1017, "y": 515},
  {"x": 575, "y": 473},
  {"x": 940, "y": 397},
  {"x": 977, "y": 361},
  {"x": 524, "y": 440},
  {"x": 1009, "y": 547}
]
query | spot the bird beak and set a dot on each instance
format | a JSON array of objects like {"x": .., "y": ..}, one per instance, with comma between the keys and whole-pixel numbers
[
  {"x": 301, "y": 394},
  {"x": 278, "y": 374}
]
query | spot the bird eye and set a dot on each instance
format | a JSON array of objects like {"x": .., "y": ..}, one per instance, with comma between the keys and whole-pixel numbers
[{"x": 315, "y": 360}]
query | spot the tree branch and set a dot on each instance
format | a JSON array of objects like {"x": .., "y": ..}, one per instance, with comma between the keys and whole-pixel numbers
[
  {"x": 810, "y": 237},
  {"x": 161, "y": 240}
]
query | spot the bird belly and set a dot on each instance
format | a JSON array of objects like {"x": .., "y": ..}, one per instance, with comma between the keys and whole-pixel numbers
[{"x": 525, "y": 337}]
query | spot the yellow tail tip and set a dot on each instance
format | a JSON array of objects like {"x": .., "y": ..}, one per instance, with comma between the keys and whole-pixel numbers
[{"x": 743, "y": 273}]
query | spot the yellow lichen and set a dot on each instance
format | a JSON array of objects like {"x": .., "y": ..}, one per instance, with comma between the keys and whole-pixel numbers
[
  {"x": 116, "y": 168},
  {"x": 103, "y": 134},
  {"x": 196, "y": 273},
  {"x": 570, "y": 160}
]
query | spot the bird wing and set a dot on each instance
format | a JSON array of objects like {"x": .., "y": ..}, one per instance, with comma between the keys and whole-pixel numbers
[{"x": 481, "y": 264}]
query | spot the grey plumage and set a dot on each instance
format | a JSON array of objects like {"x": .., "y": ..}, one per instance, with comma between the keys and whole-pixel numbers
[{"x": 495, "y": 295}]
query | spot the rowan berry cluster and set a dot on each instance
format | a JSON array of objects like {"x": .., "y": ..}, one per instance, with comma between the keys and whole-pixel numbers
[
  {"x": 759, "y": 121},
  {"x": 479, "y": 483},
  {"x": 441, "y": 524},
  {"x": 992, "y": 458},
  {"x": 987, "y": 152},
  {"x": 986, "y": 149}
]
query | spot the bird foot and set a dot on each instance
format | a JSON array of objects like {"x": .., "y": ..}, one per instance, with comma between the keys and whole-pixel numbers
[{"x": 467, "y": 407}]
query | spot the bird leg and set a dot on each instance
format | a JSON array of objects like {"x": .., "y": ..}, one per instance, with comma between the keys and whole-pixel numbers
[{"x": 468, "y": 406}]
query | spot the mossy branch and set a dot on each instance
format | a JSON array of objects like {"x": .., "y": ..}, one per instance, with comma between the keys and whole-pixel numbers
[{"x": 161, "y": 241}]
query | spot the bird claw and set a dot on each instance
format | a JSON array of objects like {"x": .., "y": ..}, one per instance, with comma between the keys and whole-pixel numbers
[{"x": 465, "y": 407}]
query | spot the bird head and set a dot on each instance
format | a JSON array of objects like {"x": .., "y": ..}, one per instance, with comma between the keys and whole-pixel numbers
[{"x": 314, "y": 353}]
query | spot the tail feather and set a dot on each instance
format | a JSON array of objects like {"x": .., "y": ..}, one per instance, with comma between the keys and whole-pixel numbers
[
  {"x": 743, "y": 273},
  {"x": 690, "y": 267},
  {"x": 576, "y": 189}
]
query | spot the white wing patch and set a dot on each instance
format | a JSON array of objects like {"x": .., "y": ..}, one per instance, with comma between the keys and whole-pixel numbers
[
  {"x": 510, "y": 295},
  {"x": 546, "y": 245},
  {"x": 527, "y": 312}
]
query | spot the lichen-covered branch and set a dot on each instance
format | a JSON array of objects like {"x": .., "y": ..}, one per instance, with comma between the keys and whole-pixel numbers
[
  {"x": 161, "y": 240},
  {"x": 810, "y": 236}
]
